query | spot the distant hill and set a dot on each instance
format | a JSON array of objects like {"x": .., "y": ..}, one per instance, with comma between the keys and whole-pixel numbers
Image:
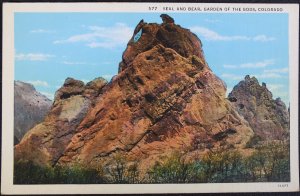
[{"x": 30, "y": 108}]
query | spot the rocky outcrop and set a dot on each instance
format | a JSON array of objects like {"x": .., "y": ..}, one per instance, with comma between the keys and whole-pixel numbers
[
  {"x": 30, "y": 108},
  {"x": 45, "y": 143},
  {"x": 168, "y": 34},
  {"x": 165, "y": 98},
  {"x": 268, "y": 118}
]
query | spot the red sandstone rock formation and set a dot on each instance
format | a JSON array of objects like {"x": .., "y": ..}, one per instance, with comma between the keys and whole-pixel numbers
[{"x": 165, "y": 98}]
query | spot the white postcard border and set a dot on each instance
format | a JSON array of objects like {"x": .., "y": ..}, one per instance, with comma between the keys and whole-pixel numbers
[{"x": 7, "y": 185}]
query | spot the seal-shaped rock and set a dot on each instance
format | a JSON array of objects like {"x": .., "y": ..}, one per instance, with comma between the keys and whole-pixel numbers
[{"x": 166, "y": 18}]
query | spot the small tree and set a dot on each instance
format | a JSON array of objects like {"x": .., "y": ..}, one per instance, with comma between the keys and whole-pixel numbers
[{"x": 173, "y": 169}]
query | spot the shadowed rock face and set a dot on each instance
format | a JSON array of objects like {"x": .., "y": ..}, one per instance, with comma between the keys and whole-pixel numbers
[
  {"x": 30, "y": 108},
  {"x": 164, "y": 98},
  {"x": 268, "y": 118}
]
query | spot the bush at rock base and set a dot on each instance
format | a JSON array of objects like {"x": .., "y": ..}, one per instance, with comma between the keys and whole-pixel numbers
[{"x": 268, "y": 163}]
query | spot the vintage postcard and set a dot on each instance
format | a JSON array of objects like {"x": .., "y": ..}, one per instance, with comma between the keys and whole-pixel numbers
[{"x": 149, "y": 98}]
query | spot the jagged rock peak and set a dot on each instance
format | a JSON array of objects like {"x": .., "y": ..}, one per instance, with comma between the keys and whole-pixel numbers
[
  {"x": 93, "y": 88},
  {"x": 72, "y": 87},
  {"x": 96, "y": 83},
  {"x": 252, "y": 79},
  {"x": 251, "y": 87},
  {"x": 268, "y": 118},
  {"x": 73, "y": 82},
  {"x": 168, "y": 34}
]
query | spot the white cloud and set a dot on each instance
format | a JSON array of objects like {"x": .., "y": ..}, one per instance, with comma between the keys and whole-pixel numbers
[
  {"x": 281, "y": 70},
  {"x": 268, "y": 75},
  {"x": 102, "y": 45},
  {"x": 120, "y": 32},
  {"x": 49, "y": 95},
  {"x": 104, "y": 37},
  {"x": 78, "y": 38},
  {"x": 230, "y": 66},
  {"x": 211, "y": 35},
  {"x": 260, "y": 64},
  {"x": 275, "y": 87},
  {"x": 73, "y": 63},
  {"x": 232, "y": 76},
  {"x": 263, "y": 38},
  {"x": 39, "y": 83},
  {"x": 33, "y": 57},
  {"x": 41, "y": 31},
  {"x": 212, "y": 20}
]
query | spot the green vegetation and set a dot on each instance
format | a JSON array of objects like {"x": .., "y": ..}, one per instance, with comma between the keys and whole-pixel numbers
[
  {"x": 28, "y": 173},
  {"x": 122, "y": 172},
  {"x": 174, "y": 169},
  {"x": 268, "y": 163}
]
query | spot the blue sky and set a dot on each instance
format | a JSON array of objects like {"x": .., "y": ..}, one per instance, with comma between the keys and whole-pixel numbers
[{"x": 49, "y": 47}]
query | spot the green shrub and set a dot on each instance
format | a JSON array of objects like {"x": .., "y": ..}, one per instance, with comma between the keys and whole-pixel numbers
[
  {"x": 268, "y": 163},
  {"x": 223, "y": 166},
  {"x": 26, "y": 172},
  {"x": 272, "y": 161},
  {"x": 122, "y": 171},
  {"x": 29, "y": 173},
  {"x": 173, "y": 169}
]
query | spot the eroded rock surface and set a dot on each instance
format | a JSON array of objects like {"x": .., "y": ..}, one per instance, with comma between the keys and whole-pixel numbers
[{"x": 268, "y": 118}]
